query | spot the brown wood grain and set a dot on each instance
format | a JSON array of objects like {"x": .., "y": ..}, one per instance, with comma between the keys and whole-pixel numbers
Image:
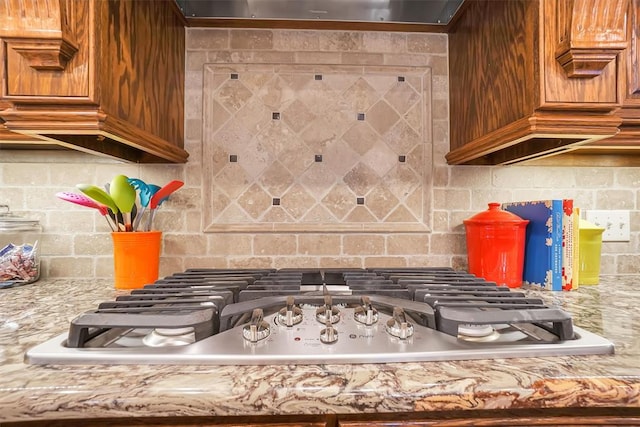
[
  {"x": 120, "y": 95},
  {"x": 493, "y": 63},
  {"x": 141, "y": 66},
  {"x": 510, "y": 99}
]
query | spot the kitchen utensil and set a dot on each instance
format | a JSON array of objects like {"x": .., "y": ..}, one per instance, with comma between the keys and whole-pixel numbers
[
  {"x": 124, "y": 196},
  {"x": 160, "y": 196},
  {"x": 99, "y": 195},
  {"x": 151, "y": 190},
  {"x": 144, "y": 193},
  {"x": 82, "y": 200}
]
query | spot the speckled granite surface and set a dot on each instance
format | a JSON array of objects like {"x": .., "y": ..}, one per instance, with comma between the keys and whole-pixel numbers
[{"x": 33, "y": 313}]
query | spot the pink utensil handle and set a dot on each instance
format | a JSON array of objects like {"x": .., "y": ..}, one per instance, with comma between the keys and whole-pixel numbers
[{"x": 82, "y": 200}]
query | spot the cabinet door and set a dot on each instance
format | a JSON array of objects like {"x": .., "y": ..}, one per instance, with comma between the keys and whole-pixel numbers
[{"x": 48, "y": 56}]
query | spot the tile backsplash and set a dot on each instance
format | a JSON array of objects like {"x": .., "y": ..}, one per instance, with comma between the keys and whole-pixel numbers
[{"x": 355, "y": 178}]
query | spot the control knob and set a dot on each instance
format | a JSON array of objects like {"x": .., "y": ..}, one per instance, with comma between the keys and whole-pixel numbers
[
  {"x": 398, "y": 325},
  {"x": 365, "y": 313},
  {"x": 328, "y": 313},
  {"x": 329, "y": 334},
  {"x": 290, "y": 315},
  {"x": 257, "y": 329}
]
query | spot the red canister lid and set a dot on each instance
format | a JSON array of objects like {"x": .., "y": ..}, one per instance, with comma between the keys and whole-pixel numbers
[{"x": 495, "y": 215}]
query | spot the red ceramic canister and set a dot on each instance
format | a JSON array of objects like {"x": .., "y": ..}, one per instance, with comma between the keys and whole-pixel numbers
[{"x": 495, "y": 246}]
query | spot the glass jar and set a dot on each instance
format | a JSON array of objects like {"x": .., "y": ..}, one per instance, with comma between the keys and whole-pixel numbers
[{"x": 19, "y": 249}]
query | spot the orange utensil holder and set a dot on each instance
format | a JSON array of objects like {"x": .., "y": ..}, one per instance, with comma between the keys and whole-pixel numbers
[{"x": 136, "y": 258}]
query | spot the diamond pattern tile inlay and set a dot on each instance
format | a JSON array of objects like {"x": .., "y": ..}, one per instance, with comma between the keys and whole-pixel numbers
[{"x": 318, "y": 117}]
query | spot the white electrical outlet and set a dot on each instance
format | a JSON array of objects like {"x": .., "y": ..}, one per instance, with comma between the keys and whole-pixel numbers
[{"x": 616, "y": 224}]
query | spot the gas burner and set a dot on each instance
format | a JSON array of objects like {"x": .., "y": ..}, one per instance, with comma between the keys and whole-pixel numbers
[
  {"x": 266, "y": 316},
  {"x": 169, "y": 337},
  {"x": 476, "y": 331}
]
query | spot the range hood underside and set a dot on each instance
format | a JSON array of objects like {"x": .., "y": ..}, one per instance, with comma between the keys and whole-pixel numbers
[{"x": 438, "y": 12}]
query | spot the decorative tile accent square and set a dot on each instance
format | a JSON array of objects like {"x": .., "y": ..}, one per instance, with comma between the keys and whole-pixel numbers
[
  {"x": 360, "y": 158},
  {"x": 233, "y": 158},
  {"x": 234, "y": 76}
]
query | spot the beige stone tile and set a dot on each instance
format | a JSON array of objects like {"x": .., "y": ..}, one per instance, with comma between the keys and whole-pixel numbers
[
  {"x": 470, "y": 177},
  {"x": 361, "y": 58},
  {"x": 615, "y": 199},
  {"x": 400, "y": 244},
  {"x": 104, "y": 266},
  {"x": 380, "y": 201},
  {"x": 627, "y": 177},
  {"x": 92, "y": 244},
  {"x": 207, "y": 39},
  {"x": 402, "y": 138},
  {"x": 296, "y": 40},
  {"x": 340, "y": 41},
  {"x": 22, "y": 175},
  {"x": 382, "y": 117},
  {"x": 441, "y": 221},
  {"x": 170, "y": 265},
  {"x": 295, "y": 262},
  {"x": 384, "y": 42},
  {"x": 360, "y": 137},
  {"x": 448, "y": 244},
  {"x": 250, "y": 262},
  {"x": 341, "y": 262},
  {"x": 255, "y": 201},
  {"x": 319, "y": 214},
  {"x": 360, "y": 215},
  {"x": 277, "y": 215},
  {"x": 222, "y": 244},
  {"x": 251, "y": 39},
  {"x": 317, "y": 57},
  {"x": 360, "y": 179},
  {"x": 274, "y": 57},
  {"x": 452, "y": 199},
  {"x": 385, "y": 261},
  {"x": 340, "y": 158},
  {"x": 401, "y": 214},
  {"x": 319, "y": 244},
  {"x": 274, "y": 244},
  {"x": 275, "y": 179},
  {"x": 363, "y": 244},
  {"x": 183, "y": 245},
  {"x": 70, "y": 266},
  {"x": 427, "y": 43},
  {"x": 297, "y": 201},
  {"x": 195, "y": 61}
]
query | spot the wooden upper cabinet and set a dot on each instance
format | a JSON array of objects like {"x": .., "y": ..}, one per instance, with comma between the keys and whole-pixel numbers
[
  {"x": 534, "y": 78},
  {"x": 102, "y": 76}
]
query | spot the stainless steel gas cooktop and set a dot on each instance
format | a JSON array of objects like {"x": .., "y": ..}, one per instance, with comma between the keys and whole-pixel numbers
[{"x": 295, "y": 316}]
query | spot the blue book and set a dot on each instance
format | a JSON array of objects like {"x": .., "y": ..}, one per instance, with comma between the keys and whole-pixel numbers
[{"x": 543, "y": 242}]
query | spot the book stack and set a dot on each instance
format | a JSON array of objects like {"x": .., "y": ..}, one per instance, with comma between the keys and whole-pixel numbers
[{"x": 551, "y": 243}]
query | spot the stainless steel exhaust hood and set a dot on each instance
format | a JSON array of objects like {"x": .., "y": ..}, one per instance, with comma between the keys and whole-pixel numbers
[{"x": 434, "y": 12}]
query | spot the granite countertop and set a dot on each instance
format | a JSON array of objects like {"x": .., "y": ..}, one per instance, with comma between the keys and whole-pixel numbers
[{"x": 33, "y": 313}]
